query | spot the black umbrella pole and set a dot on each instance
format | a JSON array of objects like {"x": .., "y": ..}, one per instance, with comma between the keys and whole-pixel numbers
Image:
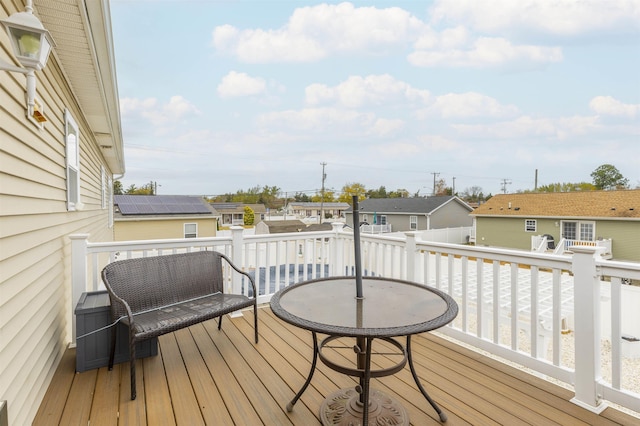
[{"x": 356, "y": 246}]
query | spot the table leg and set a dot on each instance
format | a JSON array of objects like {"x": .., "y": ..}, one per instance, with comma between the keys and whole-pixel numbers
[
  {"x": 313, "y": 369},
  {"x": 443, "y": 416},
  {"x": 366, "y": 382}
]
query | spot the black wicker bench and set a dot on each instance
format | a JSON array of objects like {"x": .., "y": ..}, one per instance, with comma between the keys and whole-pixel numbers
[{"x": 158, "y": 295}]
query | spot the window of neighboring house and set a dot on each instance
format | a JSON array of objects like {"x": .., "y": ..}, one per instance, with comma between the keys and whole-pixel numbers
[
  {"x": 413, "y": 223},
  {"x": 72, "y": 145},
  {"x": 382, "y": 219},
  {"x": 190, "y": 230},
  {"x": 581, "y": 231},
  {"x": 530, "y": 225}
]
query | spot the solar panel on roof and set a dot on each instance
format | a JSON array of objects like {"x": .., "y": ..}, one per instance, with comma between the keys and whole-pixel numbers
[{"x": 160, "y": 204}]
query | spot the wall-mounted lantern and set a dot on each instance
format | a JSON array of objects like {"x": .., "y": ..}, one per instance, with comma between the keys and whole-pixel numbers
[{"x": 31, "y": 44}]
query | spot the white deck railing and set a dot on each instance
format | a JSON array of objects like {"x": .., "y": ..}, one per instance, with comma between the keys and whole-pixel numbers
[{"x": 535, "y": 309}]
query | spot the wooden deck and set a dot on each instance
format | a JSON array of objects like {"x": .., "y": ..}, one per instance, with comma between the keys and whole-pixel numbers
[{"x": 205, "y": 376}]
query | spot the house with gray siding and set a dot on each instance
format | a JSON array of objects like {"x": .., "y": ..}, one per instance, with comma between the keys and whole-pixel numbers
[{"x": 414, "y": 214}]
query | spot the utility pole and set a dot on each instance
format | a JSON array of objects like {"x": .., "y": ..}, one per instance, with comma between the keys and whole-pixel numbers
[
  {"x": 324, "y": 176},
  {"x": 435, "y": 175},
  {"x": 504, "y": 184},
  {"x": 453, "y": 187}
]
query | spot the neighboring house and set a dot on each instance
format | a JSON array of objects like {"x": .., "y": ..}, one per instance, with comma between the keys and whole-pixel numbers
[
  {"x": 56, "y": 179},
  {"x": 233, "y": 213},
  {"x": 414, "y": 214},
  {"x": 150, "y": 217},
  {"x": 303, "y": 210},
  {"x": 510, "y": 220}
]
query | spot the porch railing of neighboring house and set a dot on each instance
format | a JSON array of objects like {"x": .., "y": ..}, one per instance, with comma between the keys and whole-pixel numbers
[
  {"x": 375, "y": 229},
  {"x": 541, "y": 243},
  {"x": 520, "y": 306}
]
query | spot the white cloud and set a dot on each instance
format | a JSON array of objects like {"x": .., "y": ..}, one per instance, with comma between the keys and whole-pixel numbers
[
  {"x": 318, "y": 120},
  {"x": 527, "y": 128},
  {"x": 373, "y": 90},
  {"x": 236, "y": 84},
  {"x": 607, "y": 105},
  {"x": 467, "y": 105},
  {"x": 564, "y": 18},
  {"x": 314, "y": 32},
  {"x": 484, "y": 52},
  {"x": 156, "y": 113},
  {"x": 385, "y": 127}
]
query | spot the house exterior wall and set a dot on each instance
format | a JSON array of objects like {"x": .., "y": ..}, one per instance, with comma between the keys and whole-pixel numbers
[
  {"x": 625, "y": 238},
  {"x": 35, "y": 284},
  {"x": 159, "y": 228},
  {"x": 509, "y": 232},
  {"x": 450, "y": 215},
  {"x": 35, "y": 261}
]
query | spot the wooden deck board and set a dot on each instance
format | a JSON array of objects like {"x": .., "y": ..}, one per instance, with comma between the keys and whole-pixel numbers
[{"x": 203, "y": 375}]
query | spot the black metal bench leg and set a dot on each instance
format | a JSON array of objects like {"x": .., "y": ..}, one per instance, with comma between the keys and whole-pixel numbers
[
  {"x": 313, "y": 369},
  {"x": 220, "y": 322},
  {"x": 443, "y": 416}
]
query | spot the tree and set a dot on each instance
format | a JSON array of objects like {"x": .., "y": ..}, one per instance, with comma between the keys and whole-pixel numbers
[
  {"x": 609, "y": 177},
  {"x": 399, "y": 193},
  {"x": 378, "y": 193},
  {"x": 441, "y": 188},
  {"x": 566, "y": 187},
  {"x": 329, "y": 197},
  {"x": 351, "y": 189},
  {"x": 117, "y": 188},
  {"x": 301, "y": 197},
  {"x": 249, "y": 216}
]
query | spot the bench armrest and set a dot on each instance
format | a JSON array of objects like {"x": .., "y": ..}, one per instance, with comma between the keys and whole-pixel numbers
[{"x": 253, "y": 284}]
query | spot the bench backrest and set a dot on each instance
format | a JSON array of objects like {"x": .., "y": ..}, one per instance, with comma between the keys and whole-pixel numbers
[{"x": 152, "y": 282}]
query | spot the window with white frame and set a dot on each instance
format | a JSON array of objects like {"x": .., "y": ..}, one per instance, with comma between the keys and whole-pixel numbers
[
  {"x": 190, "y": 230},
  {"x": 72, "y": 147},
  {"x": 413, "y": 223},
  {"x": 530, "y": 225},
  {"x": 576, "y": 230},
  {"x": 382, "y": 219}
]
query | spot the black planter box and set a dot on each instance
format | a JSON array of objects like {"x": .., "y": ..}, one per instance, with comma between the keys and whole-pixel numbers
[{"x": 92, "y": 351}]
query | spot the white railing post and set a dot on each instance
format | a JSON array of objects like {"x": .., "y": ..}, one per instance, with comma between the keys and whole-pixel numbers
[
  {"x": 79, "y": 243},
  {"x": 236, "y": 258},
  {"x": 587, "y": 331},
  {"x": 411, "y": 254},
  {"x": 236, "y": 255},
  {"x": 337, "y": 261}
]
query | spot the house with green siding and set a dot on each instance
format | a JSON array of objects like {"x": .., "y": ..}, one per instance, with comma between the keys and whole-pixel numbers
[{"x": 602, "y": 218}]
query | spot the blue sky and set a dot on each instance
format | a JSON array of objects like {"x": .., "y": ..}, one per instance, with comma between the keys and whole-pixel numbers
[{"x": 218, "y": 96}]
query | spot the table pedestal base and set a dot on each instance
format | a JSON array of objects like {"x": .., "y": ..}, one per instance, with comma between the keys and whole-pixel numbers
[{"x": 343, "y": 407}]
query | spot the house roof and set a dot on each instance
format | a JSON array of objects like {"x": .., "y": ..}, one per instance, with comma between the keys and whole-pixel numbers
[
  {"x": 590, "y": 204},
  {"x": 282, "y": 226},
  {"x": 81, "y": 30},
  {"x": 238, "y": 207},
  {"x": 137, "y": 205},
  {"x": 311, "y": 205},
  {"x": 407, "y": 205}
]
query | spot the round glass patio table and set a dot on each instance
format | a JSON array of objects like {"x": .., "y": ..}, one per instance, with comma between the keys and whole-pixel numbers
[{"x": 389, "y": 308}]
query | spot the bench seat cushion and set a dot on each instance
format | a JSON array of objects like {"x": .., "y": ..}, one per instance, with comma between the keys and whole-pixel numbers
[{"x": 184, "y": 314}]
